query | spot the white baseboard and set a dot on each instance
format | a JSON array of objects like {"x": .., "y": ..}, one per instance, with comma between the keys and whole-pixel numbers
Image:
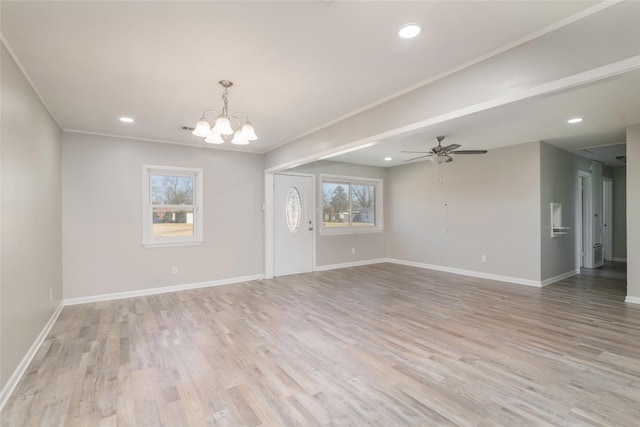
[
  {"x": 26, "y": 360},
  {"x": 633, "y": 300},
  {"x": 559, "y": 277},
  {"x": 620, "y": 259},
  {"x": 471, "y": 273},
  {"x": 162, "y": 290},
  {"x": 350, "y": 264}
]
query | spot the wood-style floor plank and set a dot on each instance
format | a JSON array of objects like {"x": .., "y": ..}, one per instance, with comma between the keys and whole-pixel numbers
[{"x": 381, "y": 345}]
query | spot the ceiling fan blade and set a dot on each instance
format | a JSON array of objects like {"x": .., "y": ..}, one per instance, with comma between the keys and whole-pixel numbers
[
  {"x": 420, "y": 157},
  {"x": 450, "y": 159},
  {"x": 468, "y": 152},
  {"x": 418, "y": 152},
  {"x": 451, "y": 147}
]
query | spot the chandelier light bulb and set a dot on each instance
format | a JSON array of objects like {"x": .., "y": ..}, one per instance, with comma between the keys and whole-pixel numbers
[
  {"x": 202, "y": 128},
  {"x": 214, "y": 138},
  {"x": 239, "y": 138},
  {"x": 222, "y": 126},
  {"x": 248, "y": 132}
]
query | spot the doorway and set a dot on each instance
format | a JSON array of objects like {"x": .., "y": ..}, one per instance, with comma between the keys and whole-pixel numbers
[
  {"x": 584, "y": 224},
  {"x": 293, "y": 224},
  {"x": 607, "y": 217}
]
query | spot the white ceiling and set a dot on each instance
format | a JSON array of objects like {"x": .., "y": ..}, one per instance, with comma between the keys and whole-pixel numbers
[
  {"x": 296, "y": 65},
  {"x": 607, "y": 107}
]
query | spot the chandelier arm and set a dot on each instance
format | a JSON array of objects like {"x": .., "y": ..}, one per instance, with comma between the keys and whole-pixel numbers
[
  {"x": 210, "y": 111},
  {"x": 240, "y": 113}
]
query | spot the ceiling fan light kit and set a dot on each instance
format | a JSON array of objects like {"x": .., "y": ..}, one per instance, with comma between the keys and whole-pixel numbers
[
  {"x": 440, "y": 154},
  {"x": 222, "y": 127},
  {"x": 440, "y": 159}
]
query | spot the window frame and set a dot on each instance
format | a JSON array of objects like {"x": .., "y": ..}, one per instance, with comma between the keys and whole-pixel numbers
[
  {"x": 148, "y": 241},
  {"x": 377, "y": 183}
]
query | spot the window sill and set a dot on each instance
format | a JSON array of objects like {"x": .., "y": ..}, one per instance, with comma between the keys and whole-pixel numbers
[
  {"x": 168, "y": 244},
  {"x": 338, "y": 232}
]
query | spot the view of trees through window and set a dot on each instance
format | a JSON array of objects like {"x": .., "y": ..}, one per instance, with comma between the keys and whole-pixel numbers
[
  {"x": 347, "y": 204},
  {"x": 172, "y": 205},
  {"x": 171, "y": 190}
]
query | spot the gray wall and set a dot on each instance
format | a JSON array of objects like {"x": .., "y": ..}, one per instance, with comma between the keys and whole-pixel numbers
[
  {"x": 493, "y": 208},
  {"x": 336, "y": 249},
  {"x": 31, "y": 263},
  {"x": 102, "y": 216},
  {"x": 558, "y": 184},
  {"x": 633, "y": 212},
  {"x": 620, "y": 213}
]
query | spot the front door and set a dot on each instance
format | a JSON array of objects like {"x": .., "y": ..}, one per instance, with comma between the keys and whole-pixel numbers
[{"x": 294, "y": 225}]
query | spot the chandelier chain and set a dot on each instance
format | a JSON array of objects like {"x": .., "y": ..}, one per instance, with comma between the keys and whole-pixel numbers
[{"x": 225, "y": 98}]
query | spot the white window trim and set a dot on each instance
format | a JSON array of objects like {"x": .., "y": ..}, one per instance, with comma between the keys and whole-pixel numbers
[
  {"x": 377, "y": 228},
  {"x": 147, "y": 208}
]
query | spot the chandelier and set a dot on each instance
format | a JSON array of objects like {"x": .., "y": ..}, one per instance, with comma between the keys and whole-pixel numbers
[{"x": 222, "y": 127}]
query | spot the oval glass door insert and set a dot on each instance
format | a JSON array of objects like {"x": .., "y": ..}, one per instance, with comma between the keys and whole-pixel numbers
[{"x": 293, "y": 210}]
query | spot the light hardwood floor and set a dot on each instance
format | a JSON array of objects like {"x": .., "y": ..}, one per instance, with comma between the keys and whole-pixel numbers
[{"x": 376, "y": 345}]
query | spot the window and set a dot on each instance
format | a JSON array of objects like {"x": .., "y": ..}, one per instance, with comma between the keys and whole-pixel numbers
[
  {"x": 293, "y": 207},
  {"x": 350, "y": 205},
  {"x": 172, "y": 206}
]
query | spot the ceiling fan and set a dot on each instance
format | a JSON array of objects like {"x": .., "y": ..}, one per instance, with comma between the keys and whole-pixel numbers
[{"x": 440, "y": 154}]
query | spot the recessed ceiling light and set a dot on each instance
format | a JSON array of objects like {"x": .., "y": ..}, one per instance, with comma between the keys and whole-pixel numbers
[
  {"x": 126, "y": 119},
  {"x": 575, "y": 120},
  {"x": 409, "y": 31},
  {"x": 388, "y": 159}
]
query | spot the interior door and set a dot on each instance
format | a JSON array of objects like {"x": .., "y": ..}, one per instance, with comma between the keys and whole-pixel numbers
[{"x": 294, "y": 225}]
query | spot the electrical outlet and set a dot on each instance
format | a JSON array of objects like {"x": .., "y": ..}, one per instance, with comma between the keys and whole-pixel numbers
[
  {"x": 174, "y": 269},
  {"x": 50, "y": 294},
  {"x": 483, "y": 258},
  {"x": 353, "y": 250}
]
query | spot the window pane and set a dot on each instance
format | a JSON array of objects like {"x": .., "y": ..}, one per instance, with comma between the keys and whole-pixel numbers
[
  {"x": 335, "y": 204},
  {"x": 171, "y": 190},
  {"x": 293, "y": 210},
  {"x": 363, "y": 205},
  {"x": 172, "y": 222}
]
